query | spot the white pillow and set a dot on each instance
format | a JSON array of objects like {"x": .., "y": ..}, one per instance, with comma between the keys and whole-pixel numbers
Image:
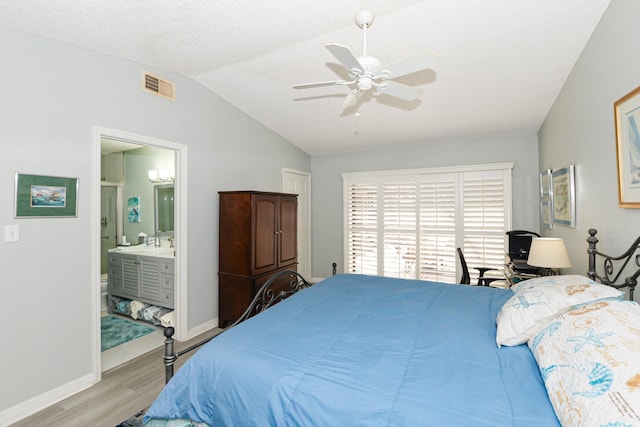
[
  {"x": 536, "y": 301},
  {"x": 589, "y": 360}
]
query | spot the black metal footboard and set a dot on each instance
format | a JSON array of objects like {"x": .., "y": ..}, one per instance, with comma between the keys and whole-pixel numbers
[
  {"x": 272, "y": 292},
  {"x": 613, "y": 266}
]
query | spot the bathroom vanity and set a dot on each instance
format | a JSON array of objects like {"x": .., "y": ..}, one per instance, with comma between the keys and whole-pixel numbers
[{"x": 144, "y": 275}]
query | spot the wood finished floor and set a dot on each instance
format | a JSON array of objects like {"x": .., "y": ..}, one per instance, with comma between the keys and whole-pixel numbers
[{"x": 123, "y": 391}]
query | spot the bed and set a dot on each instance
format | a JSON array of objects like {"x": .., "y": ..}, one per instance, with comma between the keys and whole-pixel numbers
[{"x": 373, "y": 351}]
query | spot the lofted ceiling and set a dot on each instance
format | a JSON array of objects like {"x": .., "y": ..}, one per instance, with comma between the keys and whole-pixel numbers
[{"x": 501, "y": 62}]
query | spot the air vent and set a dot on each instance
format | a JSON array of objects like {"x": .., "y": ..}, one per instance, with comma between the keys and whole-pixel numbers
[{"x": 158, "y": 86}]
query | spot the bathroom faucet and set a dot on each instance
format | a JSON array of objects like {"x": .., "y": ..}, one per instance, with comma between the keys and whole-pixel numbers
[{"x": 171, "y": 242}]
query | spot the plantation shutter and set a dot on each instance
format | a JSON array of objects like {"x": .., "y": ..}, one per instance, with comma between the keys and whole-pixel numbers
[
  {"x": 408, "y": 224},
  {"x": 438, "y": 228},
  {"x": 484, "y": 218},
  {"x": 362, "y": 223},
  {"x": 400, "y": 228}
]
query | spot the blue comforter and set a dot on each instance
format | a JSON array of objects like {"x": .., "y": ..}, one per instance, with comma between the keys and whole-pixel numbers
[{"x": 357, "y": 350}]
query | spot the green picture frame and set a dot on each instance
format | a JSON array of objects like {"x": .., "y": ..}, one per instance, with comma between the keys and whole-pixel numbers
[{"x": 40, "y": 196}]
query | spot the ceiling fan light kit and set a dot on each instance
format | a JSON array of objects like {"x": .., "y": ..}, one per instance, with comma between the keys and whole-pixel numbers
[{"x": 367, "y": 72}]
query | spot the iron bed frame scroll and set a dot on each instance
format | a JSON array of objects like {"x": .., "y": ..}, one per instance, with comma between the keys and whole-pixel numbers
[
  {"x": 613, "y": 266},
  {"x": 264, "y": 298}
]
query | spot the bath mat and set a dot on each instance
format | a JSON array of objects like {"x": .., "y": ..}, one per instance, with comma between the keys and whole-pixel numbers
[{"x": 116, "y": 331}]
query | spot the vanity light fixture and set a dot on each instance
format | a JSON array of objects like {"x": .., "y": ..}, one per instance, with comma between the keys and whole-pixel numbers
[{"x": 162, "y": 175}]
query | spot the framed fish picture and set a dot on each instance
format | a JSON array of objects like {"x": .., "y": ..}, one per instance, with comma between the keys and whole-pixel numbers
[{"x": 38, "y": 196}]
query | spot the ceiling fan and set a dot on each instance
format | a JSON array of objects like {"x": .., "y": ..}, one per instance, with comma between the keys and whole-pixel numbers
[{"x": 366, "y": 72}]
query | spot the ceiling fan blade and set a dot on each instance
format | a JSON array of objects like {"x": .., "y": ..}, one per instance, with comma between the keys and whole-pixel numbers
[
  {"x": 346, "y": 58},
  {"x": 351, "y": 100},
  {"x": 399, "y": 90},
  {"x": 421, "y": 61},
  {"x": 320, "y": 84}
]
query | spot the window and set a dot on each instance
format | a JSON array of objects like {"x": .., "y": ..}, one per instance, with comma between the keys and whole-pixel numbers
[{"x": 408, "y": 223}]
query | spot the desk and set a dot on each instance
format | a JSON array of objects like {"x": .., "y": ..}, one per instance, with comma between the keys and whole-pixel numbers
[{"x": 514, "y": 276}]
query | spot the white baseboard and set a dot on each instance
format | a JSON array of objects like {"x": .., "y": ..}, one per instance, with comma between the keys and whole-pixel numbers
[
  {"x": 38, "y": 403},
  {"x": 202, "y": 328}
]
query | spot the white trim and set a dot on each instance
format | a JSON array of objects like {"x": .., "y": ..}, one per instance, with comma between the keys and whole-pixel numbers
[
  {"x": 33, "y": 405},
  {"x": 181, "y": 232},
  {"x": 202, "y": 328},
  {"x": 94, "y": 200},
  {"x": 443, "y": 169},
  {"x": 180, "y": 185},
  {"x": 297, "y": 172},
  {"x": 306, "y": 174}
]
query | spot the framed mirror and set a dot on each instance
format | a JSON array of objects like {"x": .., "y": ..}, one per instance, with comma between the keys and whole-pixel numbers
[{"x": 164, "y": 212}]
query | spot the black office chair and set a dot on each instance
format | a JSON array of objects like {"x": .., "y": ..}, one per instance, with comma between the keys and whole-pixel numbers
[{"x": 466, "y": 278}]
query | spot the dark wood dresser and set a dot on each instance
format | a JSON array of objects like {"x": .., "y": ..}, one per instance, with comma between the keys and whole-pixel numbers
[{"x": 258, "y": 237}]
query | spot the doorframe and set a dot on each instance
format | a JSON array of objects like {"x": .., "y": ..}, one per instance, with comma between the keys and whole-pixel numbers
[
  {"x": 307, "y": 175},
  {"x": 180, "y": 231}
]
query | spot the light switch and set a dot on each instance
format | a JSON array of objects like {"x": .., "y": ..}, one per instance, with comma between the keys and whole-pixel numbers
[{"x": 11, "y": 233}]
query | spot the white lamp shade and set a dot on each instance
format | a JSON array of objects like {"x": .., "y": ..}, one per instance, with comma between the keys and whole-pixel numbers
[{"x": 548, "y": 252}]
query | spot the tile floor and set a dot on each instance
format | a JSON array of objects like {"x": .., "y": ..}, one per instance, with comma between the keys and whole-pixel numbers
[{"x": 123, "y": 353}]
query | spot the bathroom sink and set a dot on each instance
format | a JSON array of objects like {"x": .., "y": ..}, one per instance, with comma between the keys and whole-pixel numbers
[
  {"x": 146, "y": 250},
  {"x": 167, "y": 252},
  {"x": 131, "y": 248}
]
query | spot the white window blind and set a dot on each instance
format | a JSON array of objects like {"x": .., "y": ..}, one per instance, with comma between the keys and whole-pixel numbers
[
  {"x": 399, "y": 228},
  {"x": 362, "y": 219},
  {"x": 484, "y": 219},
  {"x": 438, "y": 227},
  {"x": 408, "y": 223}
]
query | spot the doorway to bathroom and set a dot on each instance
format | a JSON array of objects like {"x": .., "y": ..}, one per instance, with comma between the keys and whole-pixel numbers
[
  {"x": 124, "y": 163},
  {"x": 136, "y": 295}
]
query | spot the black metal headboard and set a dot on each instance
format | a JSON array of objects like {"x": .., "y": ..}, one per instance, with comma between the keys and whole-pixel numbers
[
  {"x": 613, "y": 266},
  {"x": 279, "y": 286}
]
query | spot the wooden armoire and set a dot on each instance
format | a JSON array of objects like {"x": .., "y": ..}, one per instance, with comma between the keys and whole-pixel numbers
[{"x": 258, "y": 237}]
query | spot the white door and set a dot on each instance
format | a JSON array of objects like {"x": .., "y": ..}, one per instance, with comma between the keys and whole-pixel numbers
[{"x": 299, "y": 182}]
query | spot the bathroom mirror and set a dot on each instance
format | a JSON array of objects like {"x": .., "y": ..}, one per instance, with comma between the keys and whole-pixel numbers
[{"x": 164, "y": 209}]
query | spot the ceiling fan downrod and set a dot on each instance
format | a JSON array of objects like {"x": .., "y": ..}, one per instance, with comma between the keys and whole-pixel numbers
[{"x": 364, "y": 19}]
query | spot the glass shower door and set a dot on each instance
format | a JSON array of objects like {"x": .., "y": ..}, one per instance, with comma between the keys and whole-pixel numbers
[{"x": 108, "y": 226}]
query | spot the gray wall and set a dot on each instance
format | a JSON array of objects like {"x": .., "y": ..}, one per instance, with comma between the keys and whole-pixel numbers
[
  {"x": 580, "y": 130},
  {"x": 327, "y": 240},
  {"x": 53, "y": 95}
]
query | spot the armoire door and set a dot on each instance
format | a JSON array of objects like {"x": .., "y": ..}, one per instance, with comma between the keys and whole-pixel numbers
[
  {"x": 265, "y": 210},
  {"x": 287, "y": 230}
]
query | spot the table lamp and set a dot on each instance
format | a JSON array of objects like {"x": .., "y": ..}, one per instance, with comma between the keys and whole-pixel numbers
[{"x": 549, "y": 253}]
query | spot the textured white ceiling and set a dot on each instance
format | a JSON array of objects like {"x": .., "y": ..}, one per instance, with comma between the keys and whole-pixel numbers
[{"x": 501, "y": 62}]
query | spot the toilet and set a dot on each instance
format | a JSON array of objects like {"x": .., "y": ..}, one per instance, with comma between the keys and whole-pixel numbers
[{"x": 104, "y": 282}]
